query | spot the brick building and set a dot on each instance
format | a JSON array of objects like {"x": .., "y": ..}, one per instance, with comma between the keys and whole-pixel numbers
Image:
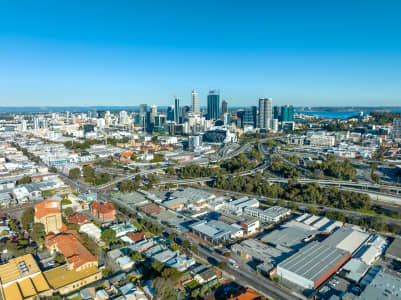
[{"x": 103, "y": 211}]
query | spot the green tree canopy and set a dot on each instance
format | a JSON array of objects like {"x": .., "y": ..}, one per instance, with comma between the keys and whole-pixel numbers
[
  {"x": 27, "y": 218},
  {"x": 75, "y": 173}
]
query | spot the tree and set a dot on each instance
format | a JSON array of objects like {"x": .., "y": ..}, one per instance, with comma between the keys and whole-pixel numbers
[
  {"x": 38, "y": 233},
  {"x": 59, "y": 258},
  {"x": 24, "y": 180},
  {"x": 89, "y": 172},
  {"x": 171, "y": 273},
  {"x": 107, "y": 272},
  {"x": 13, "y": 226},
  {"x": 136, "y": 256},
  {"x": 164, "y": 288},
  {"x": 186, "y": 244},
  {"x": 128, "y": 186},
  {"x": 172, "y": 236},
  {"x": 170, "y": 171},
  {"x": 53, "y": 170},
  {"x": 27, "y": 218},
  {"x": 222, "y": 265},
  {"x": 75, "y": 173},
  {"x": 108, "y": 235},
  {"x": 68, "y": 211}
]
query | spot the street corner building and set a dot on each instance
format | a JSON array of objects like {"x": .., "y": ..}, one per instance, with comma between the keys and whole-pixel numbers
[{"x": 103, "y": 211}]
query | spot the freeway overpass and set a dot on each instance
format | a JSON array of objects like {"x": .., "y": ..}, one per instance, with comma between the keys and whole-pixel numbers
[
  {"x": 227, "y": 155},
  {"x": 368, "y": 186}
]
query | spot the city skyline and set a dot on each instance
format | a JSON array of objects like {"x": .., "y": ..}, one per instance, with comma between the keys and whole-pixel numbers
[{"x": 314, "y": 54}]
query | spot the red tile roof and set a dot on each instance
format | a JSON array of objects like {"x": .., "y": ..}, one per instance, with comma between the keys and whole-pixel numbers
[
  {"x": 102, "y": 208},
  {"x": 136, "y": 236},
  {"x": 78, "y": 218},
  {"x": 71, "y": 248},
  {"x": 248, "y": 294},
  {"x": 47, "y": 207}
]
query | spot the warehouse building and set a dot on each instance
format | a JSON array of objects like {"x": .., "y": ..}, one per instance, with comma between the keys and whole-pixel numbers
[
  {"x": 272, "y": 214},
  {"x": 312, "y": 265},
  {"x": 292, "y": 235},
  {"x": 347, "y": 239},
  {"x": 216, "y": 232},
  {"x": 393, "y": 252},
  {"x": 238, "y": 206}
]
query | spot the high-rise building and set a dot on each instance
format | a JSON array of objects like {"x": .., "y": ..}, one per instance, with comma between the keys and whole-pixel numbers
[
  {"x": 36, "y": 123},
  {"x": 143, "y": 109},
  {"x": 153, "y": 113},
  {"x": 177, "y": 111},
  {"x": 213, "y": 105},
  {"x": 170, "y": 113},
  {"x": 276, "y": 112},
  {"x": 195, "y": 103},
  {"x": 123, "y": 119},
  {"x": 249, "y": 117},
  {"x": 184, "y": 113},
  {"x": 287, "y": 113},
  {"x": 265, "y": 113},
  {"x": 224, "y": 107},
  {"x": 24, "y": 125},
  {"x": 227, "y": 119},
  {"x": 396, "y": 128}
]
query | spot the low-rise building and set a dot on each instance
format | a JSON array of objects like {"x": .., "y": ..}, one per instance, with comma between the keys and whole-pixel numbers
[
  {"x": 21, "y": 278},
  {"x": 77, "y": 256},
  {"x": 312, "y": 265},
  {"x": 272, "y": 214},
  {"x": 103, "y": 211},
  {"x": 48, "y": 213},
  {"x": 122, "y": 229},
  {"x": 78, "y": 219},
  {"x": 91, "y": 230},
  {"x": 215, "y": 232}
]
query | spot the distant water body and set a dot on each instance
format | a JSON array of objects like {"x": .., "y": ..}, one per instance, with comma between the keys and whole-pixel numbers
[{"x": 337, "y": 114}]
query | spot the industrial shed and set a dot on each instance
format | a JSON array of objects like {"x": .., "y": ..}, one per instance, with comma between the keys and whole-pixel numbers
[{"x": 312, "y": 265}]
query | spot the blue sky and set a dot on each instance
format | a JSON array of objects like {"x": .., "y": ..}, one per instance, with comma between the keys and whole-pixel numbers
[{"x": 130, "y": 52}]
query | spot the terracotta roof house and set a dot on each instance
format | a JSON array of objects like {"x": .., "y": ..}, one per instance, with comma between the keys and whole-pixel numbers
[
  {"x": 77, "y": 256},
  {"x": 103, "y": 211},
  {"x": 136, "y": 236},
  {"x": 78, "y": 219},
  {"x": 48, "y": 213},
  {"x": 248, "y": 294}
]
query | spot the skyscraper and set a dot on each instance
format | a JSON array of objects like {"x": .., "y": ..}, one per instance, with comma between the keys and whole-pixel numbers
[
  {"x": 195, "y": 103},
  {"x": 265, "y": 113},
  {"x": 396, "y": 128},
  {"x": 213, "y": 105},
  {"x": 276, "y": 112},
  {"x": 177, "y": 111},
  {"x": 143, "y": 109},
  {"x": 224, "y": 106},
  {"x": 170, "y": 113},
  {"x": 153, "y": 113},
  {"x": 249, "y": 117},
  {"x": 287, "y": 113},
  {"x": 184, "y": 113},
  {"x": 123, "y": 118}
]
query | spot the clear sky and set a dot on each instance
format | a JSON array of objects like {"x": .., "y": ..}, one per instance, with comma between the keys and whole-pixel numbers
[{"x": 130, "y": 52}]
